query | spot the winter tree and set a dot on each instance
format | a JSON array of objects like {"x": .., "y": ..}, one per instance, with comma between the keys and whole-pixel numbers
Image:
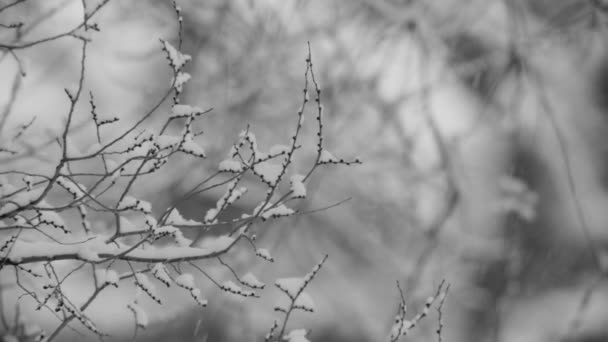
[{"x": 303, "y": 170}]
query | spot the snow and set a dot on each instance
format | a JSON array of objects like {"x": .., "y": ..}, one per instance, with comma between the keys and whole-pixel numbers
[
  {"x": 7, "y": 242},
  {"x": 143, "y": 281},
  {"x": 296, "y": 335},
  {"x": 327, "y": 157},
  {"x": 268, "y": 172},
  {"x": 283, "y": 305},
  {"x": 297, "y": 186},
  {"x": 235, "y": 195},
  {"x": 230, "y": 286},
  {"x": 75, "y": 189},
  {"x": 100, "y": 275},
  {"x": 176, "y": 233},
  {"x": 112, "y": 277},
  {"x": 250, "y": 280},
  {"x": 113, "y": 168},
  {"x": 151, "y": 222},
  {"x": 115, "y": 174},
  {"x": 141, "y": 147},
  {"x": 279, "y": 210},
  {"x": 183, "y": 111},
  {"x": 131, "y": 203},
  {"x": 165, "y": 141},
  {"x": 43, "y": 204},
  {"x": 189, "y": 146},
  {"x": 249, "y": 136},
  {"x": 210, "y": 215},
  {"x": 160, "y": 272},
  {"x": 20, "y": 199},
  {"x": 305, "y": 302},
  {"x": 6, "y": 188},
  {"x": 172, "y": 253},
  {"x": 230, "y": 165},
  {"x": 82, "y": 210},
  {"x": 398, "y": 328},
  {"x": 291, "y": 286},
  {"x": 28, "y": 182},
  {"x": 105, "y": 276},
  {"x": 196, "y": 294},
  {"x": 52, "y": 219},
  {"x": 176, "y": 58},
  {"x": 108, "y": 121},
  {"x": 20, "y": 220},
  {"x": 43, "y": 250},
  {"x": 141, "y": 318},
  {"x": 216, "y": 242},
  {"x": 176, "y": 218},
  {"x": 180, "y": 80},
  {"x": 264, "y": 254},
  {"x": 185, "y": 280},
  {"x": 231, "y": 195},
  {"x": 181, "y": 240}
]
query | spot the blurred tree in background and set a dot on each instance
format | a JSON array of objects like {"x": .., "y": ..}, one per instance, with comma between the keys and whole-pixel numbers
[{"x": 481, "y": 125}]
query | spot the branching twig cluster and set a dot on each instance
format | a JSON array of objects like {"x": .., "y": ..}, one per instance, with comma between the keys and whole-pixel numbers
[
  {"x": 98, "y": 186},
  {"x": 402, "y": 326},
  {"x": 34, "y": 208}
]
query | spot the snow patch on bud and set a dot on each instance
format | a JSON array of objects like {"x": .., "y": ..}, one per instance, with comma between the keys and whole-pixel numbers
[
  {"x": 304, "y": 302},
  {"x": 230, "y": 165},
  {"x": 268, "y": 172},
  {"x": 131, "y": 203},
  {"x": 160, "y": 272},
  {"x": 141, "y": 318},
  {"x": 180, "y": 80},
  {"x": 250, "y": 280},
  {"x": 183, "y": 111},
  {"x": 326, "y": 157},
  {"x": 230, "y": 286},
  {"x": 105, "y": 277},
  {"x": 189, "y": 146},
  {"x": 297, "y": 186},
  {"x": 185, "y": 280},
  {"x": 296, "y": 335},
  {"x": 176, "y": 218},
  {"x": 176, "y": 59},
  {"x": 291, "y": 286},
  {"x": 267, "y": 211},
  {"x": 264, "y": 254}
]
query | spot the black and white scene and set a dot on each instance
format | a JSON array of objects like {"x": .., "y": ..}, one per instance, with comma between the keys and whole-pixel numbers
[{"x": 304, "y": 171}]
